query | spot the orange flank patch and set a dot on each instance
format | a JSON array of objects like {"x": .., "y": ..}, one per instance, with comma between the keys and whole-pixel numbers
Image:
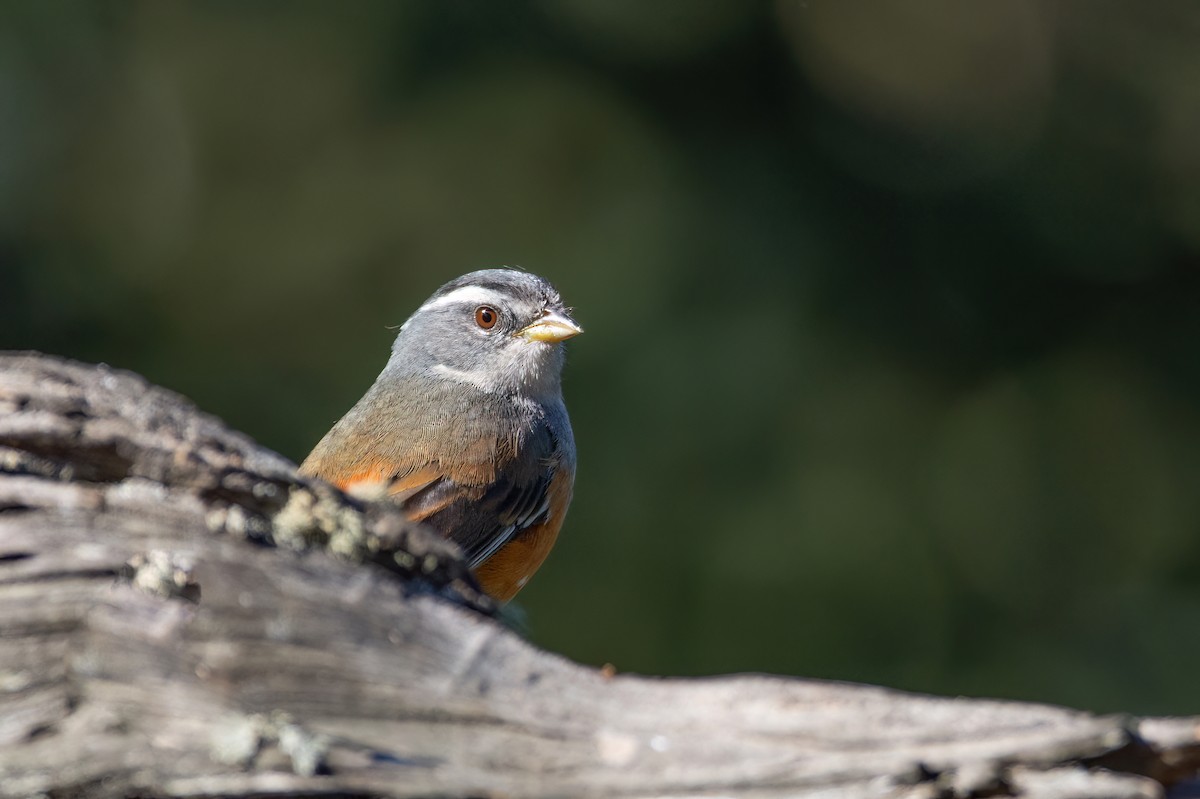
[{"x": 362, "y": 479}]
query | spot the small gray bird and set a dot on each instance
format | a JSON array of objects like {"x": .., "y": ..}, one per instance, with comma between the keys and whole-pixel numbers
[{"x": 466, "y": 426}]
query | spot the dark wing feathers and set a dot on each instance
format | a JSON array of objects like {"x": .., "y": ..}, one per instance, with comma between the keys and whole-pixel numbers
[
  {"x": 482, "y": 519},
  {"x": 514, "y": 506}
]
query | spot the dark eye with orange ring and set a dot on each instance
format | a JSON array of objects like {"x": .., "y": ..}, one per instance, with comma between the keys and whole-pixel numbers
[{"x": 486, "y": 317}]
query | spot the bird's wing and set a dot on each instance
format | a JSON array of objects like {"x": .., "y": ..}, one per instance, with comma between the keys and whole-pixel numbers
[
  {"x": 481, "y": 504},
  {"x": 481, "y": 518}
]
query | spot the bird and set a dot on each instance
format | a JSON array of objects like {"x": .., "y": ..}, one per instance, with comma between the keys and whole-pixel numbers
[{"x": 465, "y": 428}]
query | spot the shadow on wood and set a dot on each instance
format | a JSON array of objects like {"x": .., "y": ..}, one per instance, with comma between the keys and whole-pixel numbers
[{"x": 181, "y": 614}]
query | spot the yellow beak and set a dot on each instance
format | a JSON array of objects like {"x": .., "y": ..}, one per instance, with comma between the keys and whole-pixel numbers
[{"x": 552, "y": 327}]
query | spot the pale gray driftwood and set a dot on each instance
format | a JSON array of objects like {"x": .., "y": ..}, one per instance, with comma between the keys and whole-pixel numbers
[{"x": 182, "y": 615}]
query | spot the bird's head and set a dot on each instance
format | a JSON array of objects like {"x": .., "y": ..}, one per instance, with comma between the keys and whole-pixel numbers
[{"x": 499, "y": 330}]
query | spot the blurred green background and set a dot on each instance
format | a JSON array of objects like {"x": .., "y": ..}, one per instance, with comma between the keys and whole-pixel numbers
[{"x": 892, "y": 309}]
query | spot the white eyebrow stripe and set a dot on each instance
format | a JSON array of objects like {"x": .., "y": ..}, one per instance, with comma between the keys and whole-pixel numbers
[{"x": 465, "y": 294}]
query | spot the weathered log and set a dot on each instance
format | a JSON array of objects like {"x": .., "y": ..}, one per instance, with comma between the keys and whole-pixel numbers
[{"x": 181, "y": 614}]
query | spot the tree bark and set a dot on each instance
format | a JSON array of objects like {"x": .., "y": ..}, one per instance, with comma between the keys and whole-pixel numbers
[{"x": 181, "y": 614}]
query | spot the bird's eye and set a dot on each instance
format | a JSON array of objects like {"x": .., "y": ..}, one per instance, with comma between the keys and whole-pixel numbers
[{"x": 486, "y": 317}]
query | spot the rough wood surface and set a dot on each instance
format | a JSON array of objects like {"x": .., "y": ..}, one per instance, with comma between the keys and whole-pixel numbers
[{"x": 182, "y": 615}]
